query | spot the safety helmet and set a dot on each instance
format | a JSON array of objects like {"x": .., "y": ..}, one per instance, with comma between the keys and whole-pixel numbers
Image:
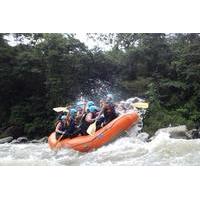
[
  {"x": 90, "y": 103},
  {"x": 93, "y": 109},
  {"x": 73, "y": 112}
]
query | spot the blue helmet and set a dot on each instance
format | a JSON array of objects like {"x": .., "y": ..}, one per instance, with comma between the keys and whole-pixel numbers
[
  {"x": 90, "y": 103},
  {"x": 93, "y": 109},
  {"x": 73, "y": 112}
]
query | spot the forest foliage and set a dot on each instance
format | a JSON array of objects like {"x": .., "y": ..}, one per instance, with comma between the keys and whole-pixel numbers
[{"x": 53, "y": 69}]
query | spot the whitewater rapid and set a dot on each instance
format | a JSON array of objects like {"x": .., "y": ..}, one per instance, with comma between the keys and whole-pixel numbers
[
  {"x": 129, "y": 150},
  {"x": 125, "y": 151}
]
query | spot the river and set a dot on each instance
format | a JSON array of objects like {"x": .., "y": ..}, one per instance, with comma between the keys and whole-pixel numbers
[{"x": 125, "y": 151}]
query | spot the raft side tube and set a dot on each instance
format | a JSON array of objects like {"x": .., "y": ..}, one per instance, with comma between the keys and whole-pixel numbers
[{"x": 101, "y": 137}]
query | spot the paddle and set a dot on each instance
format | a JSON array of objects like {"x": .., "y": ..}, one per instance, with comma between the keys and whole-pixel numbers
[
  {"x": 92, "y": 128},
  {"x": 59, "y": 140},
  {"x": 61, "y": 109},
  {"x": 140, "y": 105}
]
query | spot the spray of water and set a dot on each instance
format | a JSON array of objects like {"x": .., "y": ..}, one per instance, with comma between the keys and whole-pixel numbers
[{"x": 97, "y": 90}]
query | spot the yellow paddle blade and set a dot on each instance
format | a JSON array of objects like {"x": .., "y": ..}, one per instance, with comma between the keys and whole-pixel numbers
[
  {"x": 92, "y": 129},
  {"x": 60, "y": 109},
  {"x": 140, "y": 105}
]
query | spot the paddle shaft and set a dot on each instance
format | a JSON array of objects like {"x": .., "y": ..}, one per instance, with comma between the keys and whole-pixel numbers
[{"x": 59, "y": 140}]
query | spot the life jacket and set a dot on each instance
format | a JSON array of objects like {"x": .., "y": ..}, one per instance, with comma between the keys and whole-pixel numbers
[
  {"x": 62, "y": 127},
  {"x": 109, "y": 112},
  {"x": 72, "y": 126},
  {"x": 84, "y": 124},
  {"x": 68, "y": 128}
]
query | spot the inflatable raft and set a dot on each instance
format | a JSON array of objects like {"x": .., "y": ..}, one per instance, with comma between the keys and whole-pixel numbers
[{"x": 103, "y": 136}]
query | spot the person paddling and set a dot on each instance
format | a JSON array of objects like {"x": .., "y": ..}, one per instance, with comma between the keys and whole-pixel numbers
[
  {"x": 66, "y": 126},
  {"x": 88, "y": 119},
  {"x": 108, "y": 109},
  {"x": 61, "y": 127},
  {"x": 61, "y": 113},
  {"x": 81, "y": 111}
]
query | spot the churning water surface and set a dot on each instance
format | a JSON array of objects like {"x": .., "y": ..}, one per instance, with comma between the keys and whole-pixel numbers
[{"x": 126, "y": 151}]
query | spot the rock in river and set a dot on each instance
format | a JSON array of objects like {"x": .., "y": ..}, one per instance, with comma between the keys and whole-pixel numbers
[{"x": 6, "y": 140}]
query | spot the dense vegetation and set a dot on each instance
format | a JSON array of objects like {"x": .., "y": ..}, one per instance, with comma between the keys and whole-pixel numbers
[{"x": 53, "y": 69}]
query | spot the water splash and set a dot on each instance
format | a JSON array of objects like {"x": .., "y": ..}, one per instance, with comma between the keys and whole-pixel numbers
[{"x": 96, "y": 90}]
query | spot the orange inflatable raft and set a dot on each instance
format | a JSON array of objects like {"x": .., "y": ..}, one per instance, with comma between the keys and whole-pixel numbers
[{"x": 103, "y": 136}]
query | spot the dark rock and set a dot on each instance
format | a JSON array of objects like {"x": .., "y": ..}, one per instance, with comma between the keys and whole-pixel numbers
[
  {"x": 189, "y": 134},
  {"x": 6, "y": 140},
  {"x": 43, "y": 140},
  {"x": 35, "y": 141},
  {"x": 14, "y": 131},
  {"x": 14, "y": 142},
  {"x": 22, "y": 140},
  {"x": 176, "y": 132},
  {"x": 193, "y": 134}
]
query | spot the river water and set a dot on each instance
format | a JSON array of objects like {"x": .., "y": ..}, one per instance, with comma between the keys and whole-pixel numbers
[{"x": 126, "y": 151}]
